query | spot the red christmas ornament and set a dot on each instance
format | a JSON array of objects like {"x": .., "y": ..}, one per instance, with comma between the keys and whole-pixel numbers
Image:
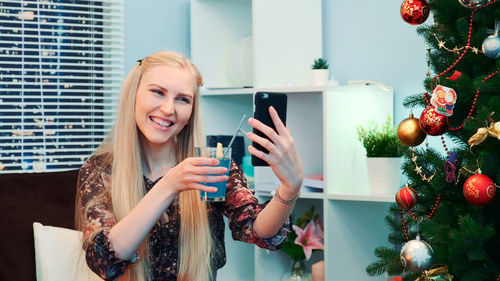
[
  {"x": 406, "y": 197},
  {"x": 414, "y": 11},
  {"x": 479, "y": 190},
  {"x": 433, "y": 123}
]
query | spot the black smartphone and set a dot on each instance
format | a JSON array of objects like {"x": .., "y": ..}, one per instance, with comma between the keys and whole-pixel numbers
[{"x": 262, "y": 101}]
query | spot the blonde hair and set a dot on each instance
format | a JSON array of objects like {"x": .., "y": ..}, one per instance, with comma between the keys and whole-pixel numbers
[{"x": 127, "y": 183}]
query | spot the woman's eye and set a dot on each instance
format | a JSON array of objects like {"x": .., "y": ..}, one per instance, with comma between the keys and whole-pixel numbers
[
  {"x": 183, "y": 99},
  {"x": 158, "y": 92}
]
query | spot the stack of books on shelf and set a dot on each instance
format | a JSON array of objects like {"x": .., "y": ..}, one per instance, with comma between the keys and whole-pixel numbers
[{"x": 312, "y": 183}]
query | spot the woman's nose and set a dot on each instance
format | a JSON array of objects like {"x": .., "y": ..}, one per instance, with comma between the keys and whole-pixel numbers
[{"x": 167, "y": 106}]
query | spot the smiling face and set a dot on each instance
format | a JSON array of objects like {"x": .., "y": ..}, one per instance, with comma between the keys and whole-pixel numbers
[{"x": 164, "y": 103}]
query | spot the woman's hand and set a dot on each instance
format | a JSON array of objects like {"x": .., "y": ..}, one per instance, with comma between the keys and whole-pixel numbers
[
  {"x": 283, "y": 156},
  {"x": 189, "y": 174}
]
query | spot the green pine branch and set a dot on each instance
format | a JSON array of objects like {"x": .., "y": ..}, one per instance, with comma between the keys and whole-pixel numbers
[{"x": 387, "y": 258}]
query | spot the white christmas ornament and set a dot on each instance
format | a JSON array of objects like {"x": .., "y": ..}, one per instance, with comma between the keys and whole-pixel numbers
[
  {"x": 491, "y": 45},
  {"x": 471, "y": 4},
  {"x": 416, "y": 255}
]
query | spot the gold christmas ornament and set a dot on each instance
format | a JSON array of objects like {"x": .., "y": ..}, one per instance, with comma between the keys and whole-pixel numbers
[
  {"x": 482, "y": 133},
  {"x": 436, "y": 273},
  {"x": 409, "y": 131}
]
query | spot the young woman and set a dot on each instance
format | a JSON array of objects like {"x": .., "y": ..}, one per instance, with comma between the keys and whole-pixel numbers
[{"x": 138, "y": 199}]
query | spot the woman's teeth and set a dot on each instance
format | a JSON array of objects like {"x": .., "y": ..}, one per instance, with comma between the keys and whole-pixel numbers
[{"x": 161, "y": 122}]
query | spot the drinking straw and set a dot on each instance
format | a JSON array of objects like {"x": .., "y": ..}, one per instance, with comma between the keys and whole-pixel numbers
[{"x": 238, "y": 129}]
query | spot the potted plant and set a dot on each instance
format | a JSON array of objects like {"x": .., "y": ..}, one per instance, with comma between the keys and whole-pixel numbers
[
  {"x": 383, "y": 151},
  {"x": 320, "y": 72},
  {"x": 307, "y": 236}
]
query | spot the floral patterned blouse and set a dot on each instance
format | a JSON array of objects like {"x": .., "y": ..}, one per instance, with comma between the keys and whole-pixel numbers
[{"x": 241, "y": 209}]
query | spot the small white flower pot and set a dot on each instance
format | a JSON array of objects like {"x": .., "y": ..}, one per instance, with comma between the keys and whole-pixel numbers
[
  {"x": 384, "y": 174},
  {"x": 319, "y": 77}
]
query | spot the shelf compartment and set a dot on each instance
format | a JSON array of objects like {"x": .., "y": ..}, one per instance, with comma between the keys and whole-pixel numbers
[
  {"x": 346, "y": 108},
  {"x": 271, "y": 265},
  {"x": 221, "y": 114},
  {"x": 221, "y": 35},
  {"x": 353, "y": 231}
]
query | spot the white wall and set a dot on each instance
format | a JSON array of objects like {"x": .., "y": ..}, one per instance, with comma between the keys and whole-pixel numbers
[
  {"x": 155, "y": 25},
  {"x": 362, "y": 39},
  {"x": 367, "y": 39}
]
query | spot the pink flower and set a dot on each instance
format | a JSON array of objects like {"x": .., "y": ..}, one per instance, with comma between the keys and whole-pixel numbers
[
  {"x": 309, "y": 238},
  {"x": 319, "y": 229}
]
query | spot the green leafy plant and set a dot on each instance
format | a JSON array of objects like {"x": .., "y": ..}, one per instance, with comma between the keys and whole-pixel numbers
[
  {"x": 381, "y": 142},
  {"x": 320, "y": 63}
]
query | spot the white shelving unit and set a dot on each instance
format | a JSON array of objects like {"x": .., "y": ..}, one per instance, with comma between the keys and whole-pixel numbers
[
  {"x": 353, "y": 218},
  {"x": 285, "y": 37}
]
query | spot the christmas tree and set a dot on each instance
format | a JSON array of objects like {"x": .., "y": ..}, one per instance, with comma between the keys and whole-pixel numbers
[{"x": 450, "y": 200}]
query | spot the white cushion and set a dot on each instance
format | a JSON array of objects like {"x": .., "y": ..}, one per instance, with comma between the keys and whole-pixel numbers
[{"x": 59, "y": 255}]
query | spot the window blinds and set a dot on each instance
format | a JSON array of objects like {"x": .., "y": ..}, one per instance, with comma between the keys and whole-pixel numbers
[{"x": 61, "y": 67}]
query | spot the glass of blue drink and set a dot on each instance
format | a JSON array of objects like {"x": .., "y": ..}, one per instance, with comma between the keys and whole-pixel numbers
[{"x": 220, "y": 194}]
